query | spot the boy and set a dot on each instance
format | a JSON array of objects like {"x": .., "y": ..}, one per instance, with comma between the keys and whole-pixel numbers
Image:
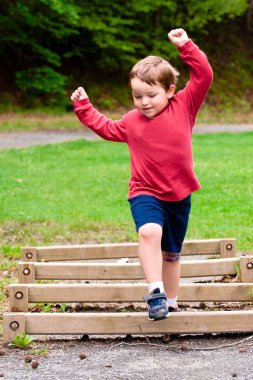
[{"x": 159, "y": 136}]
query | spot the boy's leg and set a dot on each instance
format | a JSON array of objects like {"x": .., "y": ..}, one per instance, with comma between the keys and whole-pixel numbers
[
  {"x": 174, "y": 231},
  {"x": 148, "y": 215},
  {"x": 150, "y": 255},
  {"x": 171, "y": 278},
  {"x": 150, "y": 252}
]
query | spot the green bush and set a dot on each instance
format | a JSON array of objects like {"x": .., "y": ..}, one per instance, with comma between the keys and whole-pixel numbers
[{"x": 42, "y": 82}]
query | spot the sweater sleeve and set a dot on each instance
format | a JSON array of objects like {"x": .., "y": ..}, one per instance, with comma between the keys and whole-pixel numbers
[
  {"x": 113, "y": 130},
  {"x": 201, "y": 76}
]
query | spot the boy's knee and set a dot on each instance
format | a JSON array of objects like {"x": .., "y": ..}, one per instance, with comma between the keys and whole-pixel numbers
[
  {"x": 150, "y": 231},
  {"x": 171, "y": 257}
]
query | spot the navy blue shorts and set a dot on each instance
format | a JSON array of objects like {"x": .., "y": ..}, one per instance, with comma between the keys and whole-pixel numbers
[{"x": 173, "y": 217}]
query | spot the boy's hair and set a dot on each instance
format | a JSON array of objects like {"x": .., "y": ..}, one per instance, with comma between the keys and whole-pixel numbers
[{"x": 153, "y": 70}]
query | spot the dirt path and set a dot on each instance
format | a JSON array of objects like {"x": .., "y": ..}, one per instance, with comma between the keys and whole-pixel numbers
[
  {"x": 135, "y": 359},
  {"x": 25, "y": 139}
]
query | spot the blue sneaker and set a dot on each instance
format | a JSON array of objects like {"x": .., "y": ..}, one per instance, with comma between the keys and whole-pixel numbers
[{"x": 157, "y": 305}]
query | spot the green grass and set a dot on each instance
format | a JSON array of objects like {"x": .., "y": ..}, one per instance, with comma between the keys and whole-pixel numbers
[
  {"x": 76, "y": 192},
  {"x": 42, "y": 121}
]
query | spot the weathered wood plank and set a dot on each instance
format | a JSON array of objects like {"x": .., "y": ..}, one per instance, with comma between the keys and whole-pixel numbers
[
  {"x": 246, "y": 268},
  {"x": 18, "y": 297},
  {"x": 221, "y": 292},
  {"x": 13, "y": 325},
  {"x": 227, "y": 248},
  {"x": 26, "y": 272},
  {"x": 115, "y": 271},
  {"x": 115, "y": 251},
  {"x": 133, "y": 323}
]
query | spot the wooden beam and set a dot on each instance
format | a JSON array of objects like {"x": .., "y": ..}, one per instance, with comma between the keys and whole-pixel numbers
[
  {"x": 227, "y": 248},
  {"x": 29, "y": 254},
  {"x": 246, "y": 268},
  {"x": 86, "y": 252},
  {"x": 115, "y": 251},
  {"x": 116, "y": 271},
  {"x": 132, "y": 323},
  {"x": 18, "y": 297},
  {"x": 26, "y": 273},
  {"x": 13, "y": 325},
  {"x": 62, "y": 293}
]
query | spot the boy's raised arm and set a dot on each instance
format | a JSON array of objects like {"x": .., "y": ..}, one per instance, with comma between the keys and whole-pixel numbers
[
  {"x": 113, "y": 130},
  {"x": 178, "y": 37},
  {"x": 79, "y": 94},
  {"x": 201, "y": 74}
]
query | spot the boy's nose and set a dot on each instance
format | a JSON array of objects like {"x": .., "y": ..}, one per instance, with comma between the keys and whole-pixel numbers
[{"x": 144, "y": 101}]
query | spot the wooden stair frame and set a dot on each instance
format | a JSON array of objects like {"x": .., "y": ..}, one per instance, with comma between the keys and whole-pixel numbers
[{"x": 104, "y": 323}]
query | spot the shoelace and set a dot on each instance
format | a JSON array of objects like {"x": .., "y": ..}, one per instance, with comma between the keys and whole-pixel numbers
[{"x": 158, "y": 302}]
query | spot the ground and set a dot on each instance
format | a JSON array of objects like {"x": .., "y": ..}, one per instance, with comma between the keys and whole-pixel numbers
[
  {"x": 186, "y": 357},
  {"x": 182, "y": 357}
]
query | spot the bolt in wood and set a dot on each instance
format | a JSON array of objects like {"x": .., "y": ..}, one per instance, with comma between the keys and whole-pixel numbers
[
  {"x": 19, "y": 295},
  {"x": 14, "y": 325},
  {"x": 29, "y": 255}
]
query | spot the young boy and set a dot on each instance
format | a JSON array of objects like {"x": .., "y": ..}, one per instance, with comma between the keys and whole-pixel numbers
[{"x": 159, "y": 136}]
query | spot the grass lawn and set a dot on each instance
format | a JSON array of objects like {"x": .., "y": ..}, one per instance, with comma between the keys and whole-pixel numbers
[
  {"x": 77, "y": 192},
  {"x": 41, "y": 121}
]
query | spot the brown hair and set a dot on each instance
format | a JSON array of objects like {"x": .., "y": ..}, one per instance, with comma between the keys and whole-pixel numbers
[{"x": 153, "y": 70}]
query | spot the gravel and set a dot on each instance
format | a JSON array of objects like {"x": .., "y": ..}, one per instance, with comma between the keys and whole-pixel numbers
[{"x": 134, "y": 359}]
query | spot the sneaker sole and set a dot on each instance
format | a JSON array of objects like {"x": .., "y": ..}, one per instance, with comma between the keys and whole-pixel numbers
[{"x": 159, "y": 318}]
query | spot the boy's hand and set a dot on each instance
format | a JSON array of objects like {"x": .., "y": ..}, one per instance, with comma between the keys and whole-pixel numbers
[
  {"x": 178, "y": 37},
  {"x": 78, "y": 94}
]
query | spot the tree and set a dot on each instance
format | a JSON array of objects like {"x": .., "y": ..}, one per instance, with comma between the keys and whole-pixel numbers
[{"x": 42, "y": 37}]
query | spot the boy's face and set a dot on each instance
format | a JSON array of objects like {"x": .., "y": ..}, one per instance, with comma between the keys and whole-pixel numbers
[{"x": 150, "y": 99}]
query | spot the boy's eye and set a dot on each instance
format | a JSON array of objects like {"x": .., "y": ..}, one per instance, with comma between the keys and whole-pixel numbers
[{"x": 137, "y": 97}]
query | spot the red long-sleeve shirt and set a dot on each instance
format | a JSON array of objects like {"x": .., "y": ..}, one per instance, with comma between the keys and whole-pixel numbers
[{"x": 161, "y": 147}]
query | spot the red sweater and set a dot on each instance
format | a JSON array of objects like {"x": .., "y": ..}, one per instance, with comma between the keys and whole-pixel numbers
[{"x": 161, "y": 147}]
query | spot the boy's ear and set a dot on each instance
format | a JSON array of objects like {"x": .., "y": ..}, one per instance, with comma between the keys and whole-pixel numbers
[{"x": 171, "y": 91}]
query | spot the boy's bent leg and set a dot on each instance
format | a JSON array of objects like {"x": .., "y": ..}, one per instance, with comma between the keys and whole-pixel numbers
[
  {"x": 150, "y": 255},
  {"x": 150, "y": 252},
  {"x": 171, "y": 275}
]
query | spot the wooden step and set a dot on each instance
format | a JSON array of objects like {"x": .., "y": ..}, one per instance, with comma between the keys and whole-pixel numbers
[
  {"x": 20, "y": 295},
  {"x": 126, "y": 323},
  {"x": 29, "y": 272},
  {"x": 223, "y": 247}
]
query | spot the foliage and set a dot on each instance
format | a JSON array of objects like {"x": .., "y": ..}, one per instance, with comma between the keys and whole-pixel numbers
[
  {"x": 64, "y": 307},
  {"x": 42, "y": 81},
  {"x": 10, "y": 252},
  {"x": 21, "y": 341},
  {"x": 46, "y": 308},
  {"x": 238, "y": 270},
  {"x": 41, "y": 41},
  {"x": 4, "y": 282},
  {"x": 40, "y": 352}
]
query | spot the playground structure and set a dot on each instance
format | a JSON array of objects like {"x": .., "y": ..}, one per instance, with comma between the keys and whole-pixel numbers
[{"x": 113, "y": 275}]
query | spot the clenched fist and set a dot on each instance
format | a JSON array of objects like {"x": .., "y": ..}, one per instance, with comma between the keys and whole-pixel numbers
[
  {"x": 79, "y": 94},
  {"x": 178, "y": 37}
]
